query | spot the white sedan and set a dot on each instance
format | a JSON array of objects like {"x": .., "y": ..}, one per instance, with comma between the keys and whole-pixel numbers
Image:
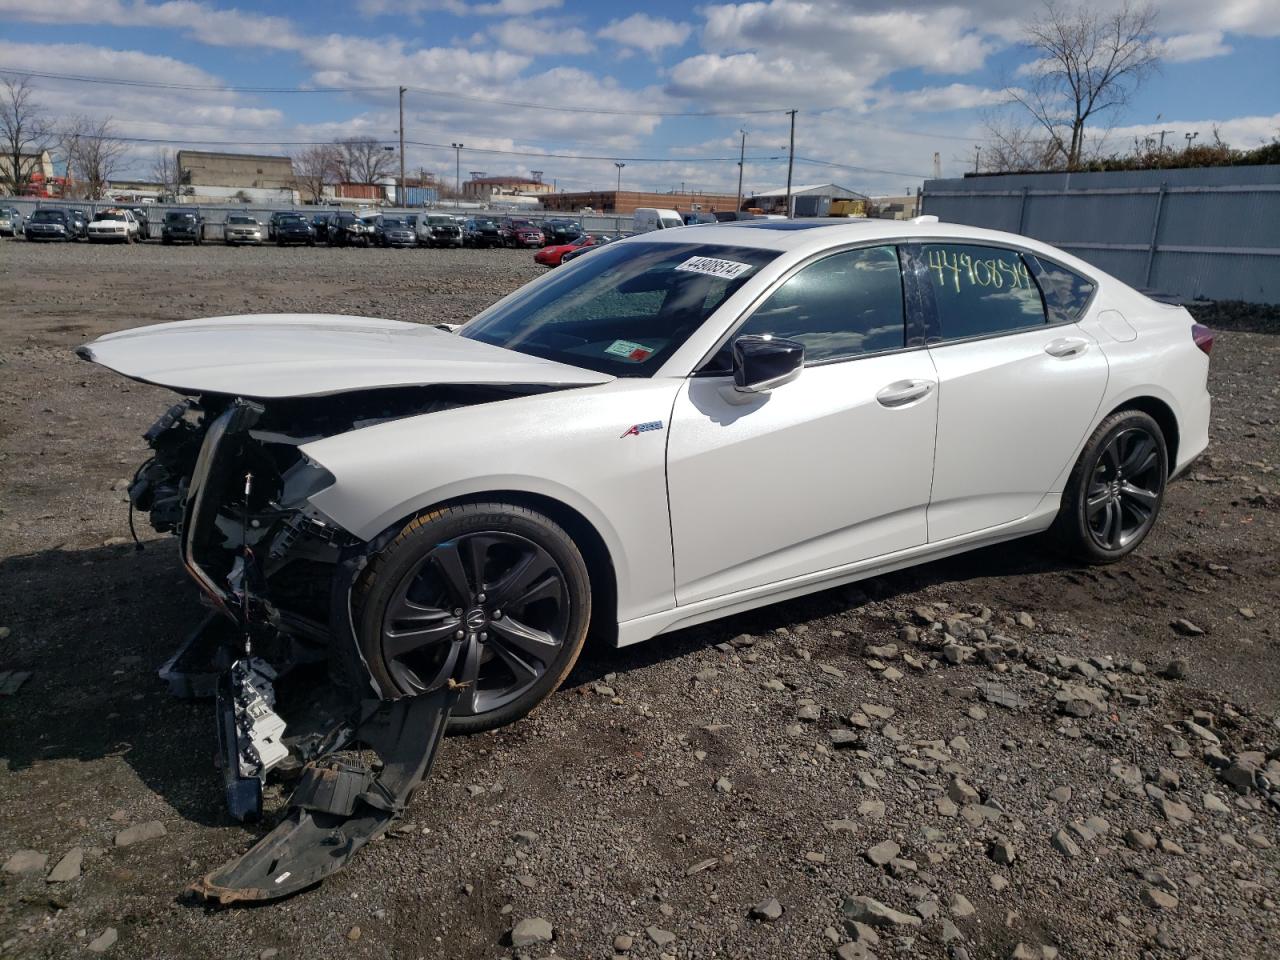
[{"x": 680, "y": 426}]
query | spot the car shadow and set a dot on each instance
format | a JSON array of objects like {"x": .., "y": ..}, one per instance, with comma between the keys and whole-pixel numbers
[{"x": 94, "y": 625}]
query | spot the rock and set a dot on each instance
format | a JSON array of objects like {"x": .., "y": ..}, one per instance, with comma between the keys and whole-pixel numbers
[
  {"x": 891, "y": 674},
  {"x": 768, "y": 909},
  {"x": 707, "y": 675},
  {"x": 777, "y": 686},
  {"x": 1239, "y": 774},
  {"x": 1060, "y": 795},
  {"x": 845, "y": 739},
  {"x": 1159, "y": 899},
  {"x": 724, "y": 785},
  {"x": 1065, "y": 845},
  {"x": 530, "y": 931},
  {"x": 998, "y": 883},
  {"x": 104, "y": 941},
  {"x": 809, "y": 713},
  {"x": 959, "y": 906},
  {"x": 1176, "y": 812},
  {"x": 1140, "y": 840},
  {"x": 1214, "y": 805},
  {"x": 1204, "y": 733},
  {"x": 842, "y": 826},
  {"x": 886, "y": 652},
  {"x": 659, "y": 936},
  {"x": 946, "y": 807},
  {"x": 140, "y": 832},
  {"x": 875, "y": 914},
  {"x": 1002, "y": 851},
  {"x": 883, "y": 852},
  {"x": 604, "y": 690},
  {"x": 622, "y": 943},
  {"x": 68, "y": 868},
  {"x": 1188, "y": 629},
  {"x": 268, "y": 954},
  {"x": 702, "y": 865},
  {"x": 830, "y": 671},
  {"x": 354, "y": 934},
  {"x": 1024, "y": 619},
  {"x": 877, "y": 711},
  {"x": 961, "y": 793},
  {"x": 1175, "y": 669},
  {"x": 871, "y": 809},
  {"x": 854, "y": 950},
  {"x": 26, "y": 861},
  {"x": 1000, "y": 696}
]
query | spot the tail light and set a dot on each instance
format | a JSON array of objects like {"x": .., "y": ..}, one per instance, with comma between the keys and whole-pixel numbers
[{"x": 1203, "y": 337}]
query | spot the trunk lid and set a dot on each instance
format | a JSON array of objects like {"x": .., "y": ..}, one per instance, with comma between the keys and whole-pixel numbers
[{"x": 301, "y": 355}]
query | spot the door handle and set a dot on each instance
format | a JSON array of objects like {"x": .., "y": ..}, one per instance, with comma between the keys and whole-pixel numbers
[
  {"x": 901, "y": 392},
  {"x": 1064, "y": 348}
]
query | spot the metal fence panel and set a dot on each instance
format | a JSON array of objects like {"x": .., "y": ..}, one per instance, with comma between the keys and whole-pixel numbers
[{"x": 1198, "y": 233}]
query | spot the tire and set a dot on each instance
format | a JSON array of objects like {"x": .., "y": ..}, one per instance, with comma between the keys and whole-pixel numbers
[
  {"x": 1115, "y": 490},
  {"x": 524, "y": 654}
]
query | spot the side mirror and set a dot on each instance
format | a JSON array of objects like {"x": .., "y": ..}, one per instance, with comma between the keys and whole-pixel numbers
[{"x": 762, "y": 363}]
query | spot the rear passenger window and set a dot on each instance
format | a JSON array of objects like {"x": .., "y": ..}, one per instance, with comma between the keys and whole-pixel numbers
[
  {"x": 842, "y": 306},
  {"x": 1066, "y": 294},
  {"x": 981, "y": 291}
]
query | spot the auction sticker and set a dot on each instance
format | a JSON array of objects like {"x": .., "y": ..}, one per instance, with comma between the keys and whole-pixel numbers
[
  {"x": 711, "y": 267},
  {"x": 632, "y": 351}
]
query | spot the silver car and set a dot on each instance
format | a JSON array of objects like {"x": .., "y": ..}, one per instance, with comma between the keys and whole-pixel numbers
[
  {"x": 10, "y": 222},
  {"x": 241, "y": 228}
]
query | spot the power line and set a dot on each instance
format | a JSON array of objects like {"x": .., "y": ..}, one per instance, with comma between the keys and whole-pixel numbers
[
  {"x": 849, "y": 166},
  {"x": 169, "y": 142},
  {"x": 426, "y": 91}
]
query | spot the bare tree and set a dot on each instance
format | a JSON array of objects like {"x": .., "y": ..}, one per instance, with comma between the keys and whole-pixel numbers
[
  {"x": 1088, "y": 64},
  {"x": 166, "y": 172},
  {"x": 363, "y": 160},
  {"x": 93, "y": 153},
  {"x": 1012, "y": 146},
  {"x": 25, "y": 132},
  {"x": 316, "y": 168}
]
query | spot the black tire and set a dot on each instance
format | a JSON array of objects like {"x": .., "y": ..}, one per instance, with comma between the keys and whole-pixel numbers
[
  {"x": 525, "y": 654},
  {"x": 1115, "y": 490}
]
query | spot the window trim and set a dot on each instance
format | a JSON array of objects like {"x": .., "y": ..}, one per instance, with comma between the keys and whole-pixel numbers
[
  {"x": 933, "y": 326},
  {"x": 1040, "y": 259},
  {"x": 913, "y": 327}
]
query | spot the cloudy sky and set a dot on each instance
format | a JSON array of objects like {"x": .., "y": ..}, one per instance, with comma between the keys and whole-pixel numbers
[{"x": 880, "y": 85}]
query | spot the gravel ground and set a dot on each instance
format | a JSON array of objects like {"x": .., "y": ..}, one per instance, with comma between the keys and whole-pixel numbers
[{"x": 1000, "y": 755}]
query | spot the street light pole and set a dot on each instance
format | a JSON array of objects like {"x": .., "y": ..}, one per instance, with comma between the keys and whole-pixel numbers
[
  {"x": 619, "y": 164},
  {"x": 457, "y": 173},
  {"x": 791, "y": 158},
  {"x": 742, "y": 157},
  {"x": 403, "y": 195}
]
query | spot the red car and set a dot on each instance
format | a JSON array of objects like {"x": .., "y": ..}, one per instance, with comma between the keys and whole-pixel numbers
[
  {"x": 515, "y": 232},
  {"x": 551, "y": 256}
]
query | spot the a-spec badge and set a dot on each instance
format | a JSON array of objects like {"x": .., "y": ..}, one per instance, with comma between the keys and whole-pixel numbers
[{"x": 639, "y": 428}]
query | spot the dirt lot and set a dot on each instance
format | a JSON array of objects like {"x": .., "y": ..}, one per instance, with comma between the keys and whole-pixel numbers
[{"x": 1043, "y": 792}]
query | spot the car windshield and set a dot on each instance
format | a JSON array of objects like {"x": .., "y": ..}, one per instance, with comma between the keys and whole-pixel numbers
[
  {"x": 48, "y": 216},
  {"x": 483, "y": 223},
  {"x": 623, "y": 310},
  {"x": 244, "y": 220},
  {"x": 344, "y": 220},
  {"x": 177, "y": 216},
  {"x": 440, "y": 221},
  {"x": 390, "y": 222},
  {"x": 292, "y": 218},
  {"x": 108, "y": 215}
]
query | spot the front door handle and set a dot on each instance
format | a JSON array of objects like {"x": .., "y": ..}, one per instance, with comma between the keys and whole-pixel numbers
[
  {"x": 901, "y": 392},
  {"x": 1064, "y": 348}
]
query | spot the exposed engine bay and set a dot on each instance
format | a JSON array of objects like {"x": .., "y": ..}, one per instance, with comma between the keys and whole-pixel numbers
[{"x": 227, "y": 478}]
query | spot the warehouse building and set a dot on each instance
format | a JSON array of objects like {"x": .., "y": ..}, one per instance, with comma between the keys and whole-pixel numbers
[
  {"x": 807, "y": 200},
  {"x": 625, "y": 202},
  {"x": 237, "y": 176},
  {"x": 483, "y": 189}
]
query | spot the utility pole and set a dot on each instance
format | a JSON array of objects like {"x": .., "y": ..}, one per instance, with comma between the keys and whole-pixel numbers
[
  {"x": 457, "y": 173},
  {"x": 619, "y": 164},
  {"x": 977, "y": 157},
  {"x": 1162, "y": 136},
  {"x": 791, "y": 159},
  {"x": 403, "y": 195},
  {"x": 742, "y": 156}
]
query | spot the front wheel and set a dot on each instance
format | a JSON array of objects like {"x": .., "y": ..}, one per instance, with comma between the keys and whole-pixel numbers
[
  {"x": 1115, "y": 490},
  {"x": 494, "y": 595}
]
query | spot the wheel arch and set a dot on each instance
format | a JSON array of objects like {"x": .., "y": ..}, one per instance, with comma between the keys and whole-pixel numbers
[
  {"x": 1159, "y": 411},
  {"x": 601, "y": 569}
]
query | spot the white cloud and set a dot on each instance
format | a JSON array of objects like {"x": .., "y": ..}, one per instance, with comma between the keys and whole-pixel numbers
[
  {"x": 643, "y": 32},
  {"x": 546, "y": 37},
  {"x": 954, "y": 96},
  {"x": 1194, "y": 46}
]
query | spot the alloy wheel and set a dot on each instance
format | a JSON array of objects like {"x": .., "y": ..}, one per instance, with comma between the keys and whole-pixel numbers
[
  {"x": 489, "y": 609},
  {"x": 1124, "y": 489}
]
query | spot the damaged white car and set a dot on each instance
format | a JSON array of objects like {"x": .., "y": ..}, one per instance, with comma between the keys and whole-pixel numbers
[{"x": 680, "y": 426}]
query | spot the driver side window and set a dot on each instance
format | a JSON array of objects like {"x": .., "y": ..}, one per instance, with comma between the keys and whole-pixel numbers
[{"x": 840, "y": 307}]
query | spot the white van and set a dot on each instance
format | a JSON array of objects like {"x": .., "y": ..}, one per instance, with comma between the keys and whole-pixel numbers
[{"x": 652, "y": 218}]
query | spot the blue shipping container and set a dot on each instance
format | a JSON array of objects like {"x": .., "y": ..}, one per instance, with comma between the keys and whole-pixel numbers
[{"x": 420, "y": 196}]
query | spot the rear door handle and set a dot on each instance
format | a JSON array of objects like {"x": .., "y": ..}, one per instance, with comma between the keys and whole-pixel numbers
[
  {"x": 901, "y": 392},
  {"x": 1064, "y": 348}
]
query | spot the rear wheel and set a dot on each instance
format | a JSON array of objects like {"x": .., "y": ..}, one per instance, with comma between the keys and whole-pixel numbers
[
  {"x": 1114, "y": 493},
  {"x": 494, "y": 595}
]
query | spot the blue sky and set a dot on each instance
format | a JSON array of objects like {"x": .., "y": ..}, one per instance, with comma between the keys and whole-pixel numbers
[{"x": 880, "y": 86}]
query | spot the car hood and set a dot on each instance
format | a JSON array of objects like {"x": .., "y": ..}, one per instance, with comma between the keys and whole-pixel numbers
[{"x": 300, "y": 355}]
